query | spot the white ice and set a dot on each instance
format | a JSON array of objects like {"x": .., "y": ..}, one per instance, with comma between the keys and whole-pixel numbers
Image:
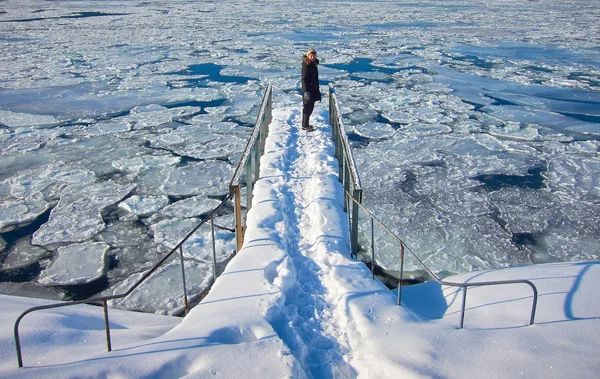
[
  {"x": 77, "y": 264},
  {"x": 77, "y": 217},
  {"x": 144, "y": 205},
  {"x": 202, "y": 178}
]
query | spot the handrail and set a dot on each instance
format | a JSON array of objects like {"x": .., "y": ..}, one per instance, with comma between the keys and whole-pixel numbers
[
  {"x": 104, "y": 299},
  {"x": 255, "y": 145},
  {"x": 255, "y": 148},
  {"x": 353, "y": 191},
  {"x": 464, "y": 286},
  {"x": 348, "y": 174}
]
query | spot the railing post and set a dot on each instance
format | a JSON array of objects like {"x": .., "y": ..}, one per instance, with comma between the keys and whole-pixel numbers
[
  {"x": 212, "y": 231},
  {"x": 237, "y": 207},
  {"x": 107, "y": 326},
  {"x": 269, "y": 110},
  {"x": 261, "y": 136},
  {"x": 347, "y": 201},
  {"x": 18, "y": 342},
  {"x": 400, "y": 277},
  {"x": 534, "y": 305},
  {"x": 346, "y": 183},
  {"x": 249, "y": 183},
  {"x": 357, "y": 194},
  {"x": 185, "y": 299},
  {"x": 462, "y": 311},
  {"x": 372, "y": 248},
  {"x": 340, "y": 153},
  {"x": 330, "y": 96},
  {"x": 256, "y": 164}
]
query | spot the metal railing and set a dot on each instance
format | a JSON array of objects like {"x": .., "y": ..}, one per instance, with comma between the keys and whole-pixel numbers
[
  {"x": 248, "y": 169},
  {"x": 354, "y": 197},
  {"x": 249, "y": 165},
  {"x": 464, "y": 286},
  {"x": 105, "y": 299},
  {"x": 348, "y": 174}
]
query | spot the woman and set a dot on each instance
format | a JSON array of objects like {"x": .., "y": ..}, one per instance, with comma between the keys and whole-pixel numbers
[{"x": 310, "y": 87}]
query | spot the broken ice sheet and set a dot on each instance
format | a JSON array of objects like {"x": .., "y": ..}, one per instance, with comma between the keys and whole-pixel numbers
[
  {"x": 223, "y": 147},
  {"x": 191, "y": 207},
  {"x": 375, "y": 131},
  {"x": 77, "y": 216},
  {"x": 48, "y": 181},
  {"x": 143, "y": 117},
  {"x": 137, "y": 164},
  {"x": 201, "y": 178},
  {"x": 77, "y": 264},
  {"x": 199, "y": 246},
  {"x": 17, "y": 120},
  {"x": 219, "y": 141},
  {"x": 17, "y": 213},
  {"x": 144, "y": 205},
  {"x": 23, "y": 254},
  {"x": 102, "y": 128},
  {"x": 132, "y": 248},
  {"x": 163, "y": 291}
]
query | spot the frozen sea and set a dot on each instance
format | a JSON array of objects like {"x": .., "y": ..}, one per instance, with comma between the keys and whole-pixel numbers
[{"x": 475, "y": 126}]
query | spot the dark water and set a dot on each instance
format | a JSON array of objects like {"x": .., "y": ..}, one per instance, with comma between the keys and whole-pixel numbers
[
  {"x": 211, "y": 72},
  {"x": 29, "y": 272},
  {"x": 363, "y": 65},
  {"x": 71, "y": 16},
  {"x": 532, "y": 180}
]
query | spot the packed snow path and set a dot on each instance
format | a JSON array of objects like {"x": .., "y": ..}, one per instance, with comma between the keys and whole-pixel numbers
[{"x": 300, "y": 169}]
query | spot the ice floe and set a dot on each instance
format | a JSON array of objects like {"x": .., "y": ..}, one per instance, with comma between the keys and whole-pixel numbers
[
  {"x": 201, "y": 178},
  {"x": 77, "y": 264},
  {"x": 163, "y": 291},
  {"x": 144, "y": 205},
  {"x": 78, "y": 214},
  {"x": 22, "y": 254},
  {"x": 190, "y": 207},
  {"x": 16, "y": 213},
  {"x": 18, "y": 120}
]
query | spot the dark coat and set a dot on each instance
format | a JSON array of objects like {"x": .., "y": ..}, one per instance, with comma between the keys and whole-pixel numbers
[{"x": 310, "y": 80}]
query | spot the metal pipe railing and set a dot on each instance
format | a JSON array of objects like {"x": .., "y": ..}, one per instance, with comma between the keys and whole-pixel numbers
[
  {"x": 254, "y": 149},
  {"x": 104, "y": 299},
  {"x": 464, "y": 286},
  {"x": 348, "y": 174}
]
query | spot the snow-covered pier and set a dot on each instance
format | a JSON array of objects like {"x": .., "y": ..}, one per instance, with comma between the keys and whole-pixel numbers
[{"x": 294, "y": 303}]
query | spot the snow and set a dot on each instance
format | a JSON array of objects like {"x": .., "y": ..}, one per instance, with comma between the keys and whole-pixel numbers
[{"x": 292, "y": 303}]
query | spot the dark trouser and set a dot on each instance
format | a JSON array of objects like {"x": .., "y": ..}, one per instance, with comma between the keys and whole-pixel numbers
[{"x": 309, "y": 106}]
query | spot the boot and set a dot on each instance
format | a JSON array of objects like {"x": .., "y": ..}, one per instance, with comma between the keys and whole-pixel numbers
[{"x": 305, "y": 124}]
